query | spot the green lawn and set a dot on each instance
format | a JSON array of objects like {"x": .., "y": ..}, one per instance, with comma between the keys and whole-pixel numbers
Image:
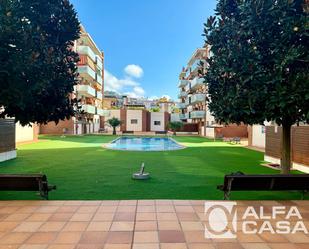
[{"x": 82, "y": 169}]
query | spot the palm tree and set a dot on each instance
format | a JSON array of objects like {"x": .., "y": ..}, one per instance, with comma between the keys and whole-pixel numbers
[
  {"x": 175, "y": 126},
  {"x": 114, "y": 122}
]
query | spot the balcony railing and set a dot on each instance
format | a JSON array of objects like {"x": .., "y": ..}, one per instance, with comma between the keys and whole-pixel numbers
[
  {"x": 85, "y": 90},
  {"x": 197, "y": 82},
  {"x": 182, "y": 94},
  {"x": 99, "y": 95},
  {"x": 183, "y": 83},
  {"x": 198, "y": 97},
  {"x": 99, "y": 62},
  {"x": 182, "y": 116},
  {"x": 99, "y": 79},
  {"x": 89, "y": 109},
  {"x": 101, "y": 112},
  {"x": 182, "y": 105},
  {"x": 197, "y": 114},
  {"x": 85, "y": 50},
  {"x": 87, "y": 72}
]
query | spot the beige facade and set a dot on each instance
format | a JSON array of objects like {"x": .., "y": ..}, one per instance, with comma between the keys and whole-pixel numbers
[{"x": 25, "y": 134}]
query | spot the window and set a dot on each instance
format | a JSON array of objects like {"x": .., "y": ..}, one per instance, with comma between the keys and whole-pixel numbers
[
  {"x": 133, "y": 121},
  {"x": 157, "y": 122}
]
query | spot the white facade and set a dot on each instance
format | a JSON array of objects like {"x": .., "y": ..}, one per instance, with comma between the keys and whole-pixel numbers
[
  {"x": 23, "y": 133},
  {"x": 134, "y": 120},
  {"x": 157, "y": 121},
  {"x": 258, "y": 136},
  {"x": 112, "y": 114}
]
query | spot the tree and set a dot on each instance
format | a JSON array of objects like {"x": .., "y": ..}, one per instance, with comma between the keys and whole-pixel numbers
[
  {"x": 175, "y": 126},
  {"x": 114, "y": 122},
  {"x": 259, "y": 65},
  {"x": 155, "y": 109},
  {"x": 38, "y": 65}
]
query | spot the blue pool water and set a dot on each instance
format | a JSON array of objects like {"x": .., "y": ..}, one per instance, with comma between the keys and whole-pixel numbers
[{"x": 144, "y": 144}]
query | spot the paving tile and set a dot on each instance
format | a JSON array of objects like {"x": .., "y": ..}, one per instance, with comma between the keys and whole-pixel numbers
[
  {"x": 92, "y": 203},
  {"x": 93, "y": 238},
  {"x": 52, "y": 226},
  {"x": 128, "y": 203},
  {"x": 119, "y": 238},
  {"x": 126, "y": 209},
  {"x": 273, "y": 238},
  {"x": 110, "y": 203},
  {"x": 192, "y": 226},
  {"x": 187, "y": 217},
  {"x": 60, "y": 217},
  {"x": 14, "y": 238},
  {"x": 146, "y": 237},
  {"x": 196, "y": 237},
  {"x": 124, "y": 216},
  {"x": 184, "y": 209},
  {"x": 146, "y": 246},
  {"x": 81, "y": 217},
  {"x": 201, "y": 246},
  {"x": 89, "y": 246},
  {"x": 171, "y": 236},
  {"x": 28, "y": 226},
  {"x": 17, "y": 217},
  {"x": 146, "y": 202},
  {"x": 117, "y": 246},
  {"x": 87, "y": 209},
  {"x": 297, "y": 238},
  {"x": 9, "y": 246},
  {"x": 47, "y": 209},
  {"x": 232, "y": 246},
  {"x": 284, "y": 246},
  {"x": 61, "y": 246},
  {"x": 173, "y": 246},
  {"x": 146, "y": 226},
  {"x": 167, "y": 216},
  {"x": 107, "y": 209},
  {"x": 75, "y": 226},
  {"x": 31, "y": 246},
  {"x": 122, "y": 226},
  {"x": 103, "y": 217},
  {"x": 164, "y": 202},
  {"x": 169, "y": 225},
  {"x": 67, "y": 209},
  {"x": 146, "y": 209},
  {"x": 99, "y": 226},
  {"x": 246, "y": 238},
  {"x": 182, "y": 202},
  {"x": 68, "y": 238},
  {"x": 145, "y": 216},
  {"x": 39, "y": 217},
  {"x": 254, "y": 246},
  {"x": 41, "y": 238},
  {"x": 7, "y": 226},
  {"x": 165, "y": 209}
]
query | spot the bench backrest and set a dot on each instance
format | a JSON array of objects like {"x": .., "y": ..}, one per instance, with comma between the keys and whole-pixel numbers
[
  {"x": 267, "y": 182},
  {"x": 23, "y": 182}
]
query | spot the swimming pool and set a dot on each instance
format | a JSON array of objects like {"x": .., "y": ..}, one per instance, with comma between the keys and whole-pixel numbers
[{"x": 144, "y": 144}]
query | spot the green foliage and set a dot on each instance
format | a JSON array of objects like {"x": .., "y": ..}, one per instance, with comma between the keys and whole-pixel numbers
[
  {"x": 175, "y": 126},
  {"x": 259, "y": 68},
  {"x": 155, "y": 109},
  {"x": 114, "y": 122},
  {"x": 38, "y": 66}
]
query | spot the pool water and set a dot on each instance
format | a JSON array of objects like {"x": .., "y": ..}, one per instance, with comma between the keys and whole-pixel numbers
[{"x": 144, "y": 144}]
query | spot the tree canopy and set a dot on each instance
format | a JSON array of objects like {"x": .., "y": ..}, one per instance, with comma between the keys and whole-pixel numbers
[
  {"x": 259, "y": 65},
  {"x": 37, "y": 62}
]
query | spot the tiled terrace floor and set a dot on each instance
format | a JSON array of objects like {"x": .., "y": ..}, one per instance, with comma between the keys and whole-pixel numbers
[{"x": 152, "y": 224}]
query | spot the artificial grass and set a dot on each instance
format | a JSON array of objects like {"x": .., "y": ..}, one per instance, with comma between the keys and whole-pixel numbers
[{"x": 82, "y": 169}]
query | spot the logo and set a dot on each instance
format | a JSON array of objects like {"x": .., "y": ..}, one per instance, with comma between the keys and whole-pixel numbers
[{"x": 223, "y": 220}]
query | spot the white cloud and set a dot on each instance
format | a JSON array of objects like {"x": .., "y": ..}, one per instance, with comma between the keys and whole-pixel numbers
[
  {"x": 167, "y": 97},
  {"x": 126, "y": 85},
  {"x": 134, "y": 71},
  {"x": 153, "y": 98}
]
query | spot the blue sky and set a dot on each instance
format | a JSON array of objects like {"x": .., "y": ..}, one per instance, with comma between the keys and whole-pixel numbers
[{"x": 146, "y": 42}]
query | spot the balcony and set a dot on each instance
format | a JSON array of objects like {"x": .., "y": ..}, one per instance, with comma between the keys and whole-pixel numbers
[
  {"x": 197, "y": 114},
  {"x": 89, "y": 109},
  {"x": 183, "y": 83},
  {"x": 99, "y": 95},
  {"x": 182, "y": 116},
  {"x": 85, "y": 90},
  {"x": 182, "y": 94},
  {"x": 199, "y": 97},
  {"x": 99, "y": 79},
  {"x": 197, "y": 82},
  {"x": 87, "y": 73},
  {"x": 101, "y": 112},
  {"x": 182, "y": 105},
  {"x": 99, "y": 62},
  {"x": 85, "y": 50}
]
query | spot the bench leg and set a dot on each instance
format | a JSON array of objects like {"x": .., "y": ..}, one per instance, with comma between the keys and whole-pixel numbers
[{"x": 226, "y": 195}]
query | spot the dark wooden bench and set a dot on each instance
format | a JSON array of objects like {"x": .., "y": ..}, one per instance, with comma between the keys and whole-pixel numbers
[
  {"x": 21, "y": 182},
  {"x": 241, "y": 182}
]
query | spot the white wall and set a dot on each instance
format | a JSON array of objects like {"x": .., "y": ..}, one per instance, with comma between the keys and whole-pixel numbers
[
  {"x": 113, "y": 114},
  {"x": 135, "y": 114},
  {"x": 258, "y": 136},
  {"x": 157, "y": 116},
  {"x": 210, "y": 132},
  {"x": 23, "y": 133}
]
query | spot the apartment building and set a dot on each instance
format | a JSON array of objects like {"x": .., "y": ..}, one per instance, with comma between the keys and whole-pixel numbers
[
  {"x": 193, "y": 90},
  {"x": 89, "y": 90},
  {"x": 193, "y": 99}
]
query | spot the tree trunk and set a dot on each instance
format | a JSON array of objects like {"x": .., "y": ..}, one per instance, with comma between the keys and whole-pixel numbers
[
  {"x": 114, "y": 130},
  {"x": 286, "y": 149}
]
